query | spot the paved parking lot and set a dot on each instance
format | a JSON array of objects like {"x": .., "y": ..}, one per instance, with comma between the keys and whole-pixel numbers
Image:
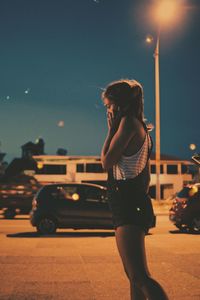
[{"x": 82, "y": 264}]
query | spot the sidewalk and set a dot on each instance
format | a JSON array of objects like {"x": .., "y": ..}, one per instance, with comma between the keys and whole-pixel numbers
[
  {"x": 85, "y": 264},
  {"x": 161, "y": 208}
]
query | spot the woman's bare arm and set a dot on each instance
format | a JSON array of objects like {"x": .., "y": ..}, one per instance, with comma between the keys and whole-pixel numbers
[
  {"x": 107, "y": 143},
  {"x": 113, "y": 121},
  {"x": 115, "y": 145}
]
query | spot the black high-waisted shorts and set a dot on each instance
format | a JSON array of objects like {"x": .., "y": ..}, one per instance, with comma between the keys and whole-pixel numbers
[{"x": 129, "y": 205}]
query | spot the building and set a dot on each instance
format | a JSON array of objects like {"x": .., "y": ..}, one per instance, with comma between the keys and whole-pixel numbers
[
  {"x": 174, "y": 172},
  {"x": 29, "y": 149},
  {"x": 3, "y": 164}
]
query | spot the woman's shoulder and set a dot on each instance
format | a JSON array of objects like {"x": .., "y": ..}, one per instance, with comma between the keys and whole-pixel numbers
[
  {"x": 136, "y": 133},
  {"x": 132, "y": 127}
]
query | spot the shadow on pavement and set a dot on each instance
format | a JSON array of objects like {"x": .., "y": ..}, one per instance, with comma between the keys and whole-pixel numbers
[
  {"x": 15, "y": 219},
  {"x": 184, "y": 232},
  {"x": 60, "y": 234}
]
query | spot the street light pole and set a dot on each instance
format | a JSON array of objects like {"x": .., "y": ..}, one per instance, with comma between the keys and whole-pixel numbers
[
  {"x": 157, "y": 116},
  {"x": 165, "y": 12}
]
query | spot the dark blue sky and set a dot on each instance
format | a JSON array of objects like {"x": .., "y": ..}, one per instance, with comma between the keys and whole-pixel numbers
[{"x": 55, "y": 57}]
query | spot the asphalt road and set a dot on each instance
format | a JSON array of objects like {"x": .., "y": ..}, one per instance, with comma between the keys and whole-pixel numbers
[{"x": 82, "y": 264}]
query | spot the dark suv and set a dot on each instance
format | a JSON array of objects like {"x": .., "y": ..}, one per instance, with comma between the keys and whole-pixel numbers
[{"x": 72, "y": 205}]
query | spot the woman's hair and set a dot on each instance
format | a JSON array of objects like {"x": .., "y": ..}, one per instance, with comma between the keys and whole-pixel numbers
[{"x": 127, "y": 94}]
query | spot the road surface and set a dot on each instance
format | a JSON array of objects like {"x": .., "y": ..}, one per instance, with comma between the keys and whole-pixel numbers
[{"x": 85, "y": 264}]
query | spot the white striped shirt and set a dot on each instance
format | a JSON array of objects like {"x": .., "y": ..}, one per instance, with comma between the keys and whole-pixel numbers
[{"x": 132, "y": 166}]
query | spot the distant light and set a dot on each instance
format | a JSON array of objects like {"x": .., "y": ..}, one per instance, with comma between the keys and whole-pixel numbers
[
  {"x": 20, "y": 187},
  {"x": 27, "y": 91},
  {"x": 192, "y": 147},
  {"x": 75, "y": 197},
  {"x": 37, "y": 140},
  {"x": 61, "y": 123},
  {"x": 7, "y": 97},
  {"x": 39, "y": 165},
  {"x": 149, "y": 39}
]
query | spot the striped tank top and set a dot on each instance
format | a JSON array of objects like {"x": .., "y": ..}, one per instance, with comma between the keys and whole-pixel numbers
[{"x": 132, "y": 166}]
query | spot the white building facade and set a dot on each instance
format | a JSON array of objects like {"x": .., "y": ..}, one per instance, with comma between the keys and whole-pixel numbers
[{"x": 174, "y": 173}]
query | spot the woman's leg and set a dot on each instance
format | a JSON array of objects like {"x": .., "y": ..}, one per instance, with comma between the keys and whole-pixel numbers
[
  {"x": 131, "y": 247},
  {"x": 136, "y": 293}
]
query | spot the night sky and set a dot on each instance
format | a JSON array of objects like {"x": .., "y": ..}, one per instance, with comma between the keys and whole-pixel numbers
[{"x": 57, "y": 55}]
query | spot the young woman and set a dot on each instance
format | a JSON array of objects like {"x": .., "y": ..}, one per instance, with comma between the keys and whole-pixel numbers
[{"x": 125, "y": 155}]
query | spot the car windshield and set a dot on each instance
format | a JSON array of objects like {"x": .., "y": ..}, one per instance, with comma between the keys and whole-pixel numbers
[
  {"x": 45, "y": 192},
  {"x": 184, "y": 193}
]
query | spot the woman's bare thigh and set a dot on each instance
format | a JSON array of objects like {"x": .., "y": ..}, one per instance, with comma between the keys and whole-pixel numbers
[{"x": 131, "y": 247}]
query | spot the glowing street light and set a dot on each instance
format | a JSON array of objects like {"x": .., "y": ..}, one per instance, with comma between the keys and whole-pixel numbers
[
  {"x": 193, "y": 147},
  {"x": 166, "y": 11}
]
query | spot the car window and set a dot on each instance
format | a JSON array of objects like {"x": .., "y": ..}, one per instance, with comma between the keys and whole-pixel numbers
[
  {"x": 94, "y": 194},
  {"x": 46, "y": 192},
  {"x": 69, "y": 193}
]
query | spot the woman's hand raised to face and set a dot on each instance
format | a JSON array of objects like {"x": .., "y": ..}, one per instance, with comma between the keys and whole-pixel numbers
[{"x": 113, "y": 119}]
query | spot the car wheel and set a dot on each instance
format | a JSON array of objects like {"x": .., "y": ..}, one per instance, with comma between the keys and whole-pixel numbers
[
  {"x": 9, "y": 213},
  {"x": 181, "y": 227},
  {"x": 46, "y": 225}
]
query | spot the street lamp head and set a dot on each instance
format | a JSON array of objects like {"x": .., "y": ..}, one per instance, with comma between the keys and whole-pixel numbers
[
  {"x": 166, "y": 11},
  {"x": 192, "y": 147}
]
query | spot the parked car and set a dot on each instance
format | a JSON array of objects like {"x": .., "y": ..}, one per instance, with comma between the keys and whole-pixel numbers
[
  {"x": 16, "y": 194},
  {"x": 185, "y": 210},
  {"x": 71, "y": 205}
]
